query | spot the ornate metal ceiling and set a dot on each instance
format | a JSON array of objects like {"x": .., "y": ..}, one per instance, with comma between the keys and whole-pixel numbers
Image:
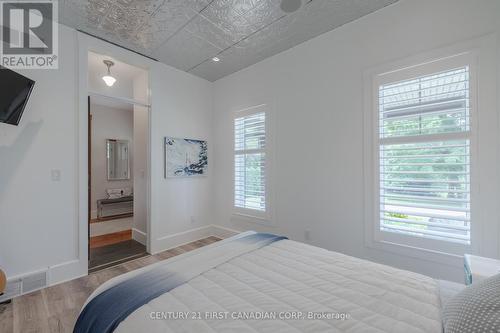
[{"x": 187, "y": 34}]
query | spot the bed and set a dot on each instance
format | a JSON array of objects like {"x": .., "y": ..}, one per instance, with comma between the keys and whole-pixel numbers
[{"x": 256, "y": 282}]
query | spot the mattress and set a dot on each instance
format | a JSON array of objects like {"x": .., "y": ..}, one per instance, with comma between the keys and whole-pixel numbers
[{"x": 276, "y": 286}]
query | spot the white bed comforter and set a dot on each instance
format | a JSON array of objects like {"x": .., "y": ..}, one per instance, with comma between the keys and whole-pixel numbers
[{"x": 287, "y": 278}]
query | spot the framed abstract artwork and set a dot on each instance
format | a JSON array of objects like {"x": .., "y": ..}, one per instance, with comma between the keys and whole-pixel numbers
[{"x": 185, "y": 157}]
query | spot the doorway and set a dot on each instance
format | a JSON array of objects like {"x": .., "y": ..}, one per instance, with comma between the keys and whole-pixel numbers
[{"x": 117, "y": 165}]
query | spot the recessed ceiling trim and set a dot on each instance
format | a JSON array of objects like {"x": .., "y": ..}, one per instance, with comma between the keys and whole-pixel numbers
[
  {"x": 118, "y": 98},
  {"x": 115, "y": 44}
]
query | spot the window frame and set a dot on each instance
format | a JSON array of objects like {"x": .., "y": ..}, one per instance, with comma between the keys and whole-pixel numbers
[
  {"x": 395, "y": 73},
  {"x": 248, "y": 214}
]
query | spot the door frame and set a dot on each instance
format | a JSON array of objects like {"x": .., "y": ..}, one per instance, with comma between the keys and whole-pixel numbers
[
  {"x": 89, "y": 156},
  {"x": 86, "y": 44},
  {"x": 89, "y": 172}
]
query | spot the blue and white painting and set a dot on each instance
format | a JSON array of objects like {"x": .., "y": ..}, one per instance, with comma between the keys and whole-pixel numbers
[{"x": 185, "y": 157}]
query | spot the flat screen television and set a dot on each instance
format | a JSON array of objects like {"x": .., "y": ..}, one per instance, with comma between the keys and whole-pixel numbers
[{"x": 15, "y": 90}]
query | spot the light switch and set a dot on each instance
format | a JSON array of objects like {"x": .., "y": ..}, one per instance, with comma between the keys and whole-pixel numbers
[
  {"x": 307, "y": 234},
  {"x": 55, "y": 175}
]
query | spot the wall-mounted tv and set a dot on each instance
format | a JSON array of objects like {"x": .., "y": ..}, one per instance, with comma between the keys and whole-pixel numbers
[{"x": 15, "y": 90}]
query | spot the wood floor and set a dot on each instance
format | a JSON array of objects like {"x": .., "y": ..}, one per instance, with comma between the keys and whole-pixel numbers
[
  {"x": 55, "y": 309},
  {"x": 114, "y": 254},
  {"x": 112, "y": 238}
]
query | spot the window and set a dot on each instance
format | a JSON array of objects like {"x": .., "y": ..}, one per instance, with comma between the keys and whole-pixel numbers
[
  {"x": 424, "y": 156},
  {"x": 250, "y": 162}
]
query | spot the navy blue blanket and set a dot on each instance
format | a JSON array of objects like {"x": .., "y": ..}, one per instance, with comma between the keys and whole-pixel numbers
[{"x": 108, "y": 309}]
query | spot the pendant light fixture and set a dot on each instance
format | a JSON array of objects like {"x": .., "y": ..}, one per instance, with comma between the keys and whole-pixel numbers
[{"x": 108, "y": 79}]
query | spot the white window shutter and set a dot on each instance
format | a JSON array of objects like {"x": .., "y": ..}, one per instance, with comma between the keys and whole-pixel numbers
[
  {"x": 424, "y": 156},
  {"x": 250, "y": 162}
]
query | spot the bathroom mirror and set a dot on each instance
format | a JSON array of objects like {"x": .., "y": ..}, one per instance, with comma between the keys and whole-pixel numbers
[{"x": 117, "y": 157}]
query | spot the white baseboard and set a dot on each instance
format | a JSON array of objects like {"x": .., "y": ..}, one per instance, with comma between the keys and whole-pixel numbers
[
  {"x": 67, "y": 271},
  {"x": 188, "y": 236},
  {"x": 139, "y": 236},
  {"x": 223, "y": 232},
  {"x": 73, "y": 269},
  {"x": 56, "y": 274},
  {"x": 174, "y": 240}
]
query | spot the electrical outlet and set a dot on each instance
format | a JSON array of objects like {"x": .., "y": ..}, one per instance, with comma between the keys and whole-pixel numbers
[
  {"x": 55, "y": 175},
  {"x": 193, "y": 220}
]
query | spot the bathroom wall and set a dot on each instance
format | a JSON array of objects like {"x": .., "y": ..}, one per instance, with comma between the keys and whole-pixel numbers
[{"x": 109, "y": 123}]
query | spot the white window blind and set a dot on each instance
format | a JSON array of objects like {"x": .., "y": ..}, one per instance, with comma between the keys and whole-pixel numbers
[
  {"x": 424, "y": 156},
  {"x": 250, "y": 162}
]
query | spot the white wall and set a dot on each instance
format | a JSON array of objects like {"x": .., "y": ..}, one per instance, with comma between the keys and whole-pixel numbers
[
  {"x": 316, "y": 92},
  {"x": 43, "y": 224},
  {"x": 109, "y": 123},
  {"x": 183, "y": 105},
  {"x": 38, "y": 216}
]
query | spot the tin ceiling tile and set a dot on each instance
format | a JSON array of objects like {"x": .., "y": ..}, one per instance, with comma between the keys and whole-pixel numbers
[
  {"x": 214, "y": 34},
  {"x": 185, "y": 50},
  {"x": 186, "y": 34}
]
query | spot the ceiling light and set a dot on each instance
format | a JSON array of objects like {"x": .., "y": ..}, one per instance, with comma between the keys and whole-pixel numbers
[
  {"x": 216, "y": 59},
  {"x": 290, "y": 6},
  {"x": 108, "y": 79}
]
